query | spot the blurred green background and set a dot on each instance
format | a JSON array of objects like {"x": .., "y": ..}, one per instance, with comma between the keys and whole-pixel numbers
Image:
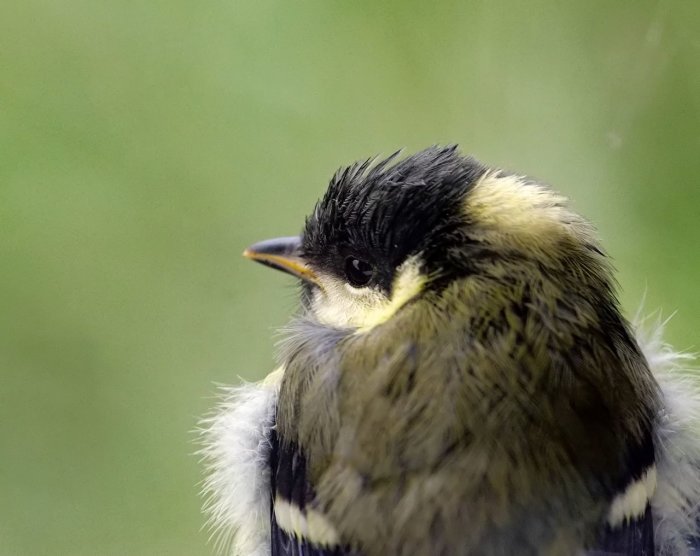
[{"x": 143, "y": 145}]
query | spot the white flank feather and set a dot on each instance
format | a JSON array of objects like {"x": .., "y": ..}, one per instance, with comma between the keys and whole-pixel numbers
[
  {"x": 235, "y": 453},
  {"x": 676, "y": 503}
]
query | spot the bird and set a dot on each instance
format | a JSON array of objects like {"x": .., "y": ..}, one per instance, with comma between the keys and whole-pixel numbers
[{"x": 458, "y": 379}]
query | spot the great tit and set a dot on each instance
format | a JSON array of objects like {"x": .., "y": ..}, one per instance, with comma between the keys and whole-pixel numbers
[{"x": 459, "y": 380}]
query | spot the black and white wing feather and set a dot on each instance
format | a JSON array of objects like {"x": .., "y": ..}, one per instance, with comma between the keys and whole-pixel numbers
[{"x": 296, "y": 528}]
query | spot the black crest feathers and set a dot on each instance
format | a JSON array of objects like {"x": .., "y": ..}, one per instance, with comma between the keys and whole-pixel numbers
[{"x": 387, "y": 210}]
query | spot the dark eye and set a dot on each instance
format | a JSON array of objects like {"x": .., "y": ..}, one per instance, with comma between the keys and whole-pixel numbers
[{"x": 358, "y": 272}]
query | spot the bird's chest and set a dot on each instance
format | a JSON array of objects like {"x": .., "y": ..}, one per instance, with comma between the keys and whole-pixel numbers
[
  {"x": 376, "y": 404},
  {"x": 395, "y": 441}
]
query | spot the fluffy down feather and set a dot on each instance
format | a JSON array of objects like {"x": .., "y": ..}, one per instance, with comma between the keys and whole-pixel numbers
[
  {"x": 235, "y": 454},
  {"x": 676, "y": 503}
]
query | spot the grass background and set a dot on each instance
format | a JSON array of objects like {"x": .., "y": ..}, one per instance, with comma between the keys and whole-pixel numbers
[{"x": 143, "y": 145}]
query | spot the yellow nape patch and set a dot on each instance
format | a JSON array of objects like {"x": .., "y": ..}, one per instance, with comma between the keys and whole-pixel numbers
[
  {"x": 515, "y": 212},
  {"x": 632, "y": 503},
  {"x": 509, "y": 201},
  {"x": 339, "y": 304},
  {"x": 308, "y": 524}
]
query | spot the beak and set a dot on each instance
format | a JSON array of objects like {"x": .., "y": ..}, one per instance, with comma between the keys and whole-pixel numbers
[{"x": 283, "y": 253}]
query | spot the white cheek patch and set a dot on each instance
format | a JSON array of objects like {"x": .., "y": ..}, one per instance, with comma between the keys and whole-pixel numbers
[
  {"x": 359, "y": 293},
  {"x": 340, "y": 305}
]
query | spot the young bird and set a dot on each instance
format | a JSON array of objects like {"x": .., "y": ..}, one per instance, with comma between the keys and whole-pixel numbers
[{"x": 458, "y": 381}]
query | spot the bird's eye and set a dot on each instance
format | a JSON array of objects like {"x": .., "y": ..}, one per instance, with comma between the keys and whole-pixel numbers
[{"x": 358, "y": 272}]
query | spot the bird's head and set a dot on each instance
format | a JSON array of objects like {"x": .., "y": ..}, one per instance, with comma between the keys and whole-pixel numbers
[{"x": 387, "y": 233}]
